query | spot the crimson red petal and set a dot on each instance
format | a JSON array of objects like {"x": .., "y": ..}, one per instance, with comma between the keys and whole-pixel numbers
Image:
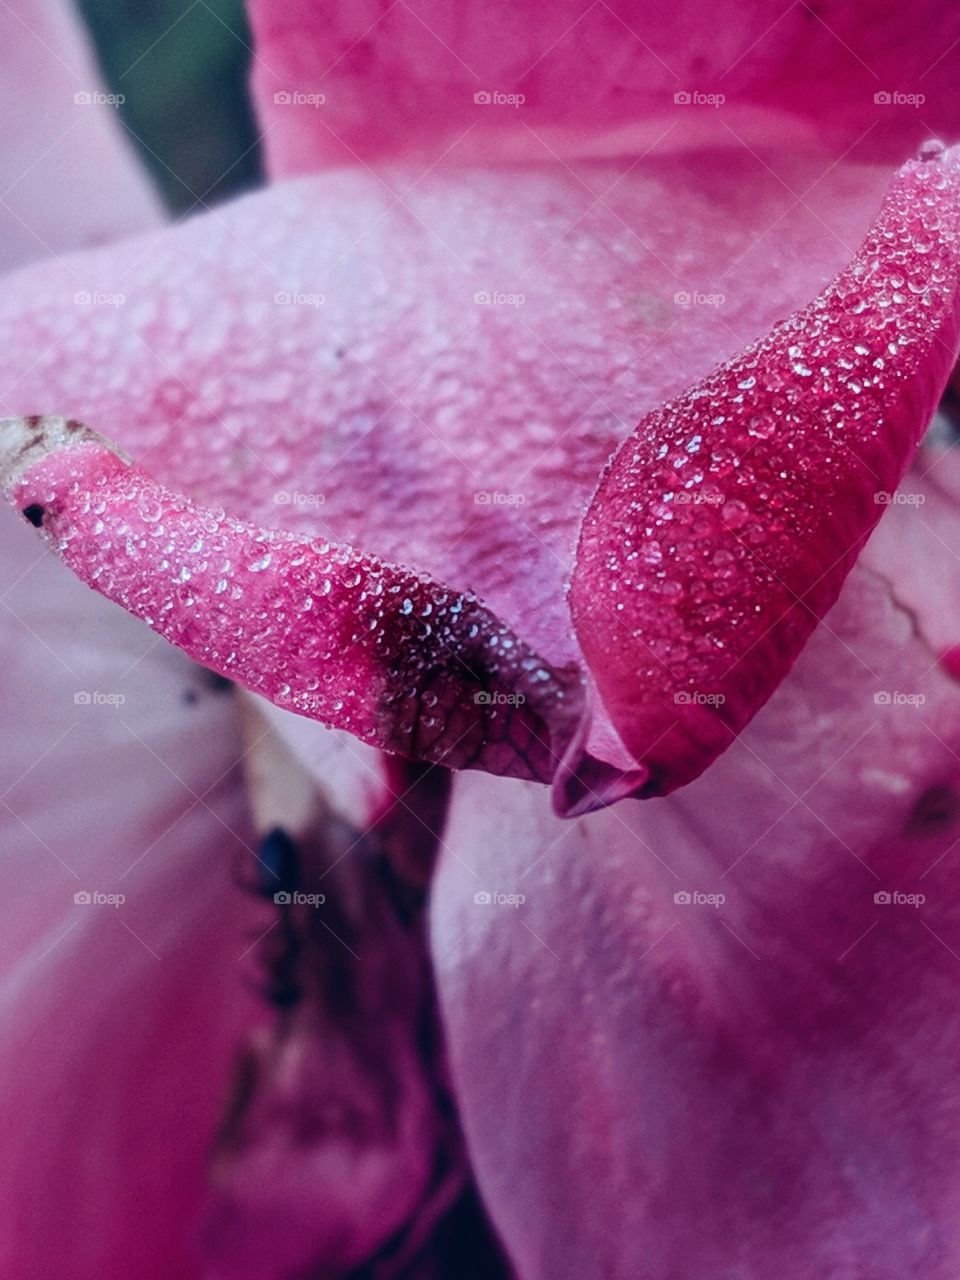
[{"x": 722, "y": 531}]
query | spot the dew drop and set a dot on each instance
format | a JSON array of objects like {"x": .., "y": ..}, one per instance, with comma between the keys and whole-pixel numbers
[{"x": 932, "y": 149}]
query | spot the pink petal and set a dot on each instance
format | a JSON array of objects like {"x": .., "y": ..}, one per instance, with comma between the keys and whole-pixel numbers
[
  {"x": 100, "y": 1166},
  {"x": 69, "y": 178},
  {"x": 540, "y": 616},
  {"x": 759, "y": 1088},
  {"x": 338, "y": 84},
  {"x": 723, "y": 530},
  {"x": 120, "y": 1022},
  {"x": 377, "y": 417},
  {"x": 403, "y": 663}
]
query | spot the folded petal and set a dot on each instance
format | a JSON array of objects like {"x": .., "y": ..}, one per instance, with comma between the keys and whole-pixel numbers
[
  {"x": 67, "y": 174},
  {"x": 402, "y": 663},
  {"x": 337, "y": 84},
  {"x": 722, "y": 531}
]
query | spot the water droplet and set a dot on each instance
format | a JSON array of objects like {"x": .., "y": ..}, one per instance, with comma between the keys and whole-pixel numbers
[{"x": 932, "y": 149}]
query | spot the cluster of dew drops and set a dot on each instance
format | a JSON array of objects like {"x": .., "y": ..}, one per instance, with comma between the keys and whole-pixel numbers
[
  {"x": 733, "y": 500},
  {"x": 313, "y": 625}
]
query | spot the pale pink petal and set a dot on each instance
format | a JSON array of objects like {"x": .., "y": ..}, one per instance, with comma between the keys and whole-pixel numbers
[
  {"x": 68, "y": 177},
  {"x": 762, "y": 1086},
  {"x": 121, "y": 1021},
  {"x": 364, "y": 82},
  {"x": 113, "y": 1057}
]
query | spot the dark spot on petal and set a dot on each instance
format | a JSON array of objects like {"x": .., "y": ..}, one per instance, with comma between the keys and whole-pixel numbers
[
  {"x": 284, "y": 993},
  {"x": 935, "y": 811},
  {"x": 340, "y": 352},
  {"x": 278, "y": 864},
  {"x": 190, "y": 696},
  {"x": 34, "y": 513},
  {"x": 215, "y": 681}
]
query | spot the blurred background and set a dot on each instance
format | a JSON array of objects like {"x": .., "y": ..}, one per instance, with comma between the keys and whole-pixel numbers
[{"x": 182, "y": 66}]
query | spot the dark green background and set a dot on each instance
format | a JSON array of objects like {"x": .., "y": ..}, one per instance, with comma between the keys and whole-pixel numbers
[{"x": 182, "y": 66}]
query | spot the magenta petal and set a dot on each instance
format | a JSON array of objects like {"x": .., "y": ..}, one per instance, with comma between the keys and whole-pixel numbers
[
  {"x": 723, "y": 530},
  {"x": 402, "y": 663},
  {"x": 338, "y": 83}
]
